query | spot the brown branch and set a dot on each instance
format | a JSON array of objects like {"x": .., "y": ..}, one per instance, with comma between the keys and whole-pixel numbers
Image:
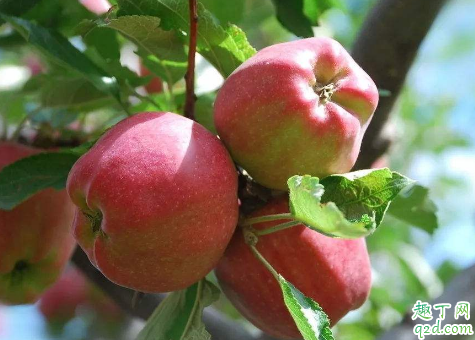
[
  {"x": 190, "y": 73},
  {"x": 385, "y": 48},
  {"x": 220, "y": 327}
]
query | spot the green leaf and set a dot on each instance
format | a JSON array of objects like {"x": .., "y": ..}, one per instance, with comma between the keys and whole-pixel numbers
[
  {"x": 27, "y": 176},
  {"x": 179, "y": 316},
  {"x": 224, "y": 47},
  {"x": 309, "y": 317},
  {"x": 305, "y": 205},
  {"x": 59, "y": 49},
  {"x": 415, "y": 207},
  {"x": 71, "y": 93},
  {"x": 204, "y": 111},
  {"x": 290, "y": 14},
  {"x": 364, "y": 192},
  {"x": 298, "y": 16},
  {"x": 350, "y": 205},
  {"x": 166, "y": 46},
  {"x": 233, "y": 12},
  {"x": 17, "y": 7},
  {"x": 59, "y": 15}
]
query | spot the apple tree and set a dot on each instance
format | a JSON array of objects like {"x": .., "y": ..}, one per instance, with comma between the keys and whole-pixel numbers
[{"x": 207, "y": 158}]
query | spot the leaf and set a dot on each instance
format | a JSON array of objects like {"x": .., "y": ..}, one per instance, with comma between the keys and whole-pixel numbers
[
  {"x": 350, "y": 205},
  {"x": 27, "y": 176},
  {"x": 415, "y": 207},
  {"x": 309, "y": 317},
  {"x": 166, "y": 46},
  {"x": 17, "y": 7},
  {"x": 224, "y": 47},
  {"x": 72, "y": 93},
  {"x": 290, "y": 14},
  {"x": 233, "y": 12},
  {"x": 59, "y": 15},
  {"x": 58, "y": 48},
  {"x": 298, "y": 16},
  {"x": 305, "y": 205},
  {"x": 364, "y": 192},
  {"x": 204, "y": 111},
  {"x": 179, "y": 315}
]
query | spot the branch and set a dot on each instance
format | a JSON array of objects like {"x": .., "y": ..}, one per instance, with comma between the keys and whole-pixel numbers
[
  {"x": 190, "y": 73},
  {"x": 385, "y": 48},
  {"x": 462, "y": 288},
  {"x": 217, "y": 325}
]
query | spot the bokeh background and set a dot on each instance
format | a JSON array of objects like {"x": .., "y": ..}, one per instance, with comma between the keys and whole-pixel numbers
[{"x": 433, "y": 127}]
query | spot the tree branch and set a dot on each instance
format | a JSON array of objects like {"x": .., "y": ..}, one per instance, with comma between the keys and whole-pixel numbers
[
  {"x": 217, "y": 325},
  {"x": 385, "y": 48},
  {"x": 190, "y": 73},
  {"x": 462, "y": 288}
]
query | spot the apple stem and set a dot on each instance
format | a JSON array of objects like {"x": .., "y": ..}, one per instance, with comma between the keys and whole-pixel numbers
[
  {"x": 190, "y": 72},
  {"x": 267, "y": 218},
  {"x": 276, "y": 228},
  {"x": 325, "y": 92},
  {"x": 264, "y": 262}
]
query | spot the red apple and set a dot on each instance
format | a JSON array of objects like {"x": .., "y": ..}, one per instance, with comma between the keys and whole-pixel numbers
[
  {"x": 157, "y": 202},
  {"x": 35, "y": 238},
  {"x": 299, "y": 107},
  {"x": 336, "y": 273},
  {"x": 72, "y": 291},
  {"x": 96, "y": 6},
  {"x": 60, "y": 301},
  {"x": 155, "y": 85}
]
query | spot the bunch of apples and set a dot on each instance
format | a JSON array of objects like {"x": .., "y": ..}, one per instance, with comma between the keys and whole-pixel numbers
[{"x": 156, "y": 198}]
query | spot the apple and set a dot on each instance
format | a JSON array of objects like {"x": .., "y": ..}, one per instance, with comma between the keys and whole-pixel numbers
[
  {"x": 35, "y": 238},
  {"x": 296, "y": 108},
  {"x": 156, "y": 202},
  {"x": 72, "y": 292},
  {"x": 59, "y": 303},
  {"x": 155, "y": 85},
  {"x": 96, "y": 6},
  {"x": 336, "y": 273}
]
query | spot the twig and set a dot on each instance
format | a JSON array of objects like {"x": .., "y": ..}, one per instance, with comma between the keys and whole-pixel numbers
[{"x": 190, "y": 73}]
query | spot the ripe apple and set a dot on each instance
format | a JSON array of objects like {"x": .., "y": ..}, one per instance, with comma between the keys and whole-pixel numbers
[
  {"x": 157, "y": 202},
  {"x": 59, "y": 303},
  {"x": 96, "y": 6},
  {"x": 297, "y": 108},
  {"x": 155, "y": 85},
  {"x": 336, "y": 273},
  {"x": 72, "y": 291},
  {"x": 35, "y": 238}
]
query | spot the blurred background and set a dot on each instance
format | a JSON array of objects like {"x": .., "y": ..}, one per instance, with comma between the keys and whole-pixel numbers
[{"x": 432, "y": 124}]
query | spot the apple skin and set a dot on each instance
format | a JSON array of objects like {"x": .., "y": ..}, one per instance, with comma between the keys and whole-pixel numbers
[
  {"x": 35, "y": 238},
  {"x": 273, "y": 121},
  {"x": 96, "y": 6},
  {"x": 60, "y": 302},
  {"x": 161, "y": 195},
  {"x": 155, "y": 85},
  {"x": 336, "y": 273}
]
